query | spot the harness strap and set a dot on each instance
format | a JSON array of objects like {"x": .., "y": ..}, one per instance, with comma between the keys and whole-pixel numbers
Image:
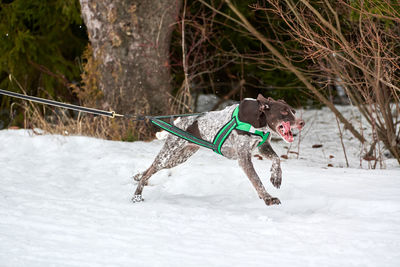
[
  {"x": 220, "y": 137},
  {"x": 182, "y": 134},
  {"x": 247, "y": 127},
  {"x": 223, "y": 134}
]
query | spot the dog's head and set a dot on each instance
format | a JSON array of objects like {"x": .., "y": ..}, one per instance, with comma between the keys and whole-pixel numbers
[{"x": 276, "y": 114}]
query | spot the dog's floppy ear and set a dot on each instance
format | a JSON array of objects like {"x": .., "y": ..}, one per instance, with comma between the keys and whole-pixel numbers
[
  {"x": 250, "y": 111},
  {"x": 263, "y": 102},
  {"x": 261, "y": 98}
]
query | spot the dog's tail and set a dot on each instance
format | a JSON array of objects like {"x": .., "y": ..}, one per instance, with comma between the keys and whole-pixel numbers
[{"x": 162, "y": 135}]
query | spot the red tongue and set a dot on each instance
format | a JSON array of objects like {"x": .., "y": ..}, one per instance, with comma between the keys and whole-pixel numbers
[
  {"x": 286, "y": 126},
  {"x": 288, "y": 135}
]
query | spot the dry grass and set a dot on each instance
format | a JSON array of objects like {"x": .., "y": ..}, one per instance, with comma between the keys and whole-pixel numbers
[{"x": 65, "y": 122}]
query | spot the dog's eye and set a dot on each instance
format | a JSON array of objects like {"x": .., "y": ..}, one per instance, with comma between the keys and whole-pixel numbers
[
  {"x": 293, "y": 111},
  {"x": 284, "y": 112}
]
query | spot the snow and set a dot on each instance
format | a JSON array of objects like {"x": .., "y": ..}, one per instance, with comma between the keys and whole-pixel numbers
[{"x": 65, "y": 201}]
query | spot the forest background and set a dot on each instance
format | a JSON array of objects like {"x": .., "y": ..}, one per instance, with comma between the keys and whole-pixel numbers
[{"x": 158, "y": 57}]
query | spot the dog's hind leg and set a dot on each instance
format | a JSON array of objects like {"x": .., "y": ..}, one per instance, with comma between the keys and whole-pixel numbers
[
  {"x": 246, "y": 164},
  {"x": 172, "y": 154},
  {"x": 171, "y": 145},
  {"x": 143, "y": 178}
]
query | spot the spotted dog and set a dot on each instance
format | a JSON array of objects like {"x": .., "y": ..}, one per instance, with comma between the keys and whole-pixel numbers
[{"x": 264, "y": 114}]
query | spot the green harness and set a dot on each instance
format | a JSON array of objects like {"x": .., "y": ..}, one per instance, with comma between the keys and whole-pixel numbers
[{"x": 220, "y": 137}]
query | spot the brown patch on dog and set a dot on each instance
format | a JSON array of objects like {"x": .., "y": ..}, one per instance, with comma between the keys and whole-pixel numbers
[
  {"x": 251, "y": 112},
  {"x": 193, "y": 129},
  {"x": 258, "y": 156}
]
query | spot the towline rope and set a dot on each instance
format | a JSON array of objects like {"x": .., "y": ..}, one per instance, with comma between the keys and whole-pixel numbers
[{"x": 111, "y": 114}]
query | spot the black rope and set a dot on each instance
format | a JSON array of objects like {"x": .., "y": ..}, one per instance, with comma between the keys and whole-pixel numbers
[
  {"x": 94, "y": 111},
  {"x": 143, "y": 117}
]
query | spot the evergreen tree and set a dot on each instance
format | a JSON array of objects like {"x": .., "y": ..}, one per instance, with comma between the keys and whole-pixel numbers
[{"x": 40, "y": 45}]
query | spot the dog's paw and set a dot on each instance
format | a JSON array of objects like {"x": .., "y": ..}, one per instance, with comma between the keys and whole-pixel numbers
[
  {"x": 276, "y": 177},
  {"x": 272, "y": 201},
  {"x": 137, "y": 177},
  {"x": 137, "y": 198}
]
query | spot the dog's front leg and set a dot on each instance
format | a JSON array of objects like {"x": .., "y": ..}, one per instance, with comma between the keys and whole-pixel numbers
[
  {"x": 276, "y": 171},
  {"x": 246, "y": 164}
]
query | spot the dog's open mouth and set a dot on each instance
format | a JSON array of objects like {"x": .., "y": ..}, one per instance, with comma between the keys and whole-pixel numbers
[{"x": 284, "y": 130}]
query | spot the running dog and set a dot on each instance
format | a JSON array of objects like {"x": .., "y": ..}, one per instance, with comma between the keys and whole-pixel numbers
[{"x": 264, "y": 114}]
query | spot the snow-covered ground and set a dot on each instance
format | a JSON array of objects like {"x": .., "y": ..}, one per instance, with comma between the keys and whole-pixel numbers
[{"x": 65, "y": 201}]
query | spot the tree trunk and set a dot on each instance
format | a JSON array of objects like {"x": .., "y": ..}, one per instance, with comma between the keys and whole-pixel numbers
[{"x": 130, "y": 41}]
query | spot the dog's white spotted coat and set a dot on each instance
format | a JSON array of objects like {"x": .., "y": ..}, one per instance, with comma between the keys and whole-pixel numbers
[{"x": 237, "y": 146}]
